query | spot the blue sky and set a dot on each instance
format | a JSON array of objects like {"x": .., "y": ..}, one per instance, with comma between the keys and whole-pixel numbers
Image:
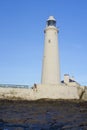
[{"x": 22, "y": 24}]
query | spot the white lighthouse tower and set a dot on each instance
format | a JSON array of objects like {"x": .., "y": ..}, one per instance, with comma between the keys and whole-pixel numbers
[{"x": 51, "y": 64}]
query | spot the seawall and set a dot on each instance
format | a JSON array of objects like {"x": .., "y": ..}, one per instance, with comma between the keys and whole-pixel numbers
[{"x": 44, "y": 92}]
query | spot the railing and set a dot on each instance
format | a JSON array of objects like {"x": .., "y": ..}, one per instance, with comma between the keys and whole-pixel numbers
[{"x": 14, "y": 86}]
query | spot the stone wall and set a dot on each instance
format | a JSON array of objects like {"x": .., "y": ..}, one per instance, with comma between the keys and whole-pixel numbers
[
  {"x": 43, "y": 91},
  {"x": 61, "y": 91}
]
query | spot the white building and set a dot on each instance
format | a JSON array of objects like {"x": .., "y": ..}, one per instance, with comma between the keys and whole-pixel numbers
[{"x": 69, "y": 81}]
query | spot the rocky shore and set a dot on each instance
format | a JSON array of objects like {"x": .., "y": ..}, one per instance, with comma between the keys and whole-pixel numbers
[
  {"x": 40, "y": 108},
  {"x": 43, "y": 115}
]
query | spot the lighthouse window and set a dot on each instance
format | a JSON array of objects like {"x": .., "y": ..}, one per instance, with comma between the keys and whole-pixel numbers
[{"x": 49, "y": 41}]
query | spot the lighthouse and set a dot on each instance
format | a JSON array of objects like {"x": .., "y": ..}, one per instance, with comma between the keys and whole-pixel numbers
[{"x": 51, "y": 64}]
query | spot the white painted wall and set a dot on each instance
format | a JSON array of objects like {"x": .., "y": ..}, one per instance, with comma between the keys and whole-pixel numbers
[{"x": 42, "y": 91}]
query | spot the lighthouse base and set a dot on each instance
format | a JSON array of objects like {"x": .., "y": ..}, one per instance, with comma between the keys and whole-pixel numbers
[
  {"x": 42, "y": 91},
  {"x": 58, "y": 92}
]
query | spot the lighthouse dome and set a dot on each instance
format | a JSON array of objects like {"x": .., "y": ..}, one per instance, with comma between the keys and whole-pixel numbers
[
  {"x": 51, "y": 18},
  {"x": 51, "y": 21}
]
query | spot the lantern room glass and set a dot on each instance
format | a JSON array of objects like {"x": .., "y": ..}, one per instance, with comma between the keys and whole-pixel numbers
[{"x": 51, "y": 23}]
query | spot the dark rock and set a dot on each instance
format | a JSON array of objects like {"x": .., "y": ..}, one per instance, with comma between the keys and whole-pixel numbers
[{"x": 84, "y": 96}]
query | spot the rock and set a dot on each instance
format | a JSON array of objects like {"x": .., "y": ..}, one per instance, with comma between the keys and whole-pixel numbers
[
  {"x": 84, "y": 96},
  {"x": 81, "y": 90}
]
